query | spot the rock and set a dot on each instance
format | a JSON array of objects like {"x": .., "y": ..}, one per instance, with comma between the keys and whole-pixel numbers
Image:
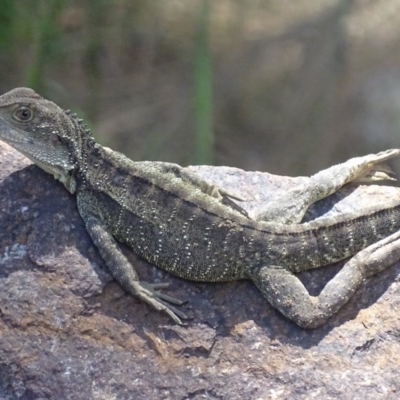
[{"x": 67, "y": 330}]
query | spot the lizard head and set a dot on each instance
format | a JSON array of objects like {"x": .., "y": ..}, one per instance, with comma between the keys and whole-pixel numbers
[{"x": 42, "y": 131}]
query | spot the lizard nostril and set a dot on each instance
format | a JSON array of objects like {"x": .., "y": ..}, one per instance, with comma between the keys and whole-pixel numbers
[{"x": 54, "y": 138}]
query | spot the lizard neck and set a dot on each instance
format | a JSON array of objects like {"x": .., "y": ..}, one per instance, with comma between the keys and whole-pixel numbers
[
  {"x": 90, "y": 157},
  {"x": 81, "y": 147}
]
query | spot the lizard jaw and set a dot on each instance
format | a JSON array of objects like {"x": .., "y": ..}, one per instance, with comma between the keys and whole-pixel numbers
[{"x": 54, "y": 161}]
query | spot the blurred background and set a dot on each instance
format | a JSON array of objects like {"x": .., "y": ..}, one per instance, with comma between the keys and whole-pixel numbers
[{"x": 288, "y": 87}]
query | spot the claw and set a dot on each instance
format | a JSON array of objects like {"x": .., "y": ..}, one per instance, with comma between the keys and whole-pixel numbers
[
  {"x": 226, "y": 193},
  {"x": 375, "y": 169},
  {"x": 160, "y": 285},
  {"x": 380, "y": 172},
  {"x": 228, "y": 202},
  {"x": 149, "y": 293},
  {"x": 171, "y": 299},
  {"x": 385, "y": 155}
]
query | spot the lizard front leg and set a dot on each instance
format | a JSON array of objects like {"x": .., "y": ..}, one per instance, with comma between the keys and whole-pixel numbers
[
  {"x": 293, "y": 204},
  {"x": 286, "y": 292},
  {"x": 120, "y": 267}
]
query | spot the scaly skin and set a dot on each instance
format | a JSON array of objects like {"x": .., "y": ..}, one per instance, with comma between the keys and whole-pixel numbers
[{"x": 190, "y": 228}]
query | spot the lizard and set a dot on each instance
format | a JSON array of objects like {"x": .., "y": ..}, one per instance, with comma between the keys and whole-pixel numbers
[{"x": 193, "y": 229}]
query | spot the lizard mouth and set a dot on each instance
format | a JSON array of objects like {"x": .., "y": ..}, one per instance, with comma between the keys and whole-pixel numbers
[
  {"x": 54, "y": 160},
  {"x": 13, "y": 136}
]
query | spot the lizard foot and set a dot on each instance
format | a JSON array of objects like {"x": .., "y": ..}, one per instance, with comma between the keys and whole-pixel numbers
[
  {"x": 150, "y": 293},
  {"x": 225, "y": 197},
  {"x": 375, "y": 169}
]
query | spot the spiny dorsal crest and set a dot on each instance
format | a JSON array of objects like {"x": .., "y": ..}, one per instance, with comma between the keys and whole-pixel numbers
[{"x": 79, "y": 121}]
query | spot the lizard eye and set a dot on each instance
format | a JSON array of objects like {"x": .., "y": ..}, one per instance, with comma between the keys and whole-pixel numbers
[{"x": 23, "y": 114}]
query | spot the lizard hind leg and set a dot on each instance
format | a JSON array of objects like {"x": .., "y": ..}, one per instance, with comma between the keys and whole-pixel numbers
[
  {"x": 287, "y": 293},
  {"x": 293, "y": 203}
]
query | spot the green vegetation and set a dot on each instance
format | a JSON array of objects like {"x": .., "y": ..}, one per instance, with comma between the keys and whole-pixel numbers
[
  {"x": 44, "y": 17},
  {"x": 7, "y": 12},
  {"x": 267, "y": 85},
  {"x": 51, "y": 32}
]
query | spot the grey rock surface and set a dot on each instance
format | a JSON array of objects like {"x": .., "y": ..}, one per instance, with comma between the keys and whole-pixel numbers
[{"x": 68, "y": 331}]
